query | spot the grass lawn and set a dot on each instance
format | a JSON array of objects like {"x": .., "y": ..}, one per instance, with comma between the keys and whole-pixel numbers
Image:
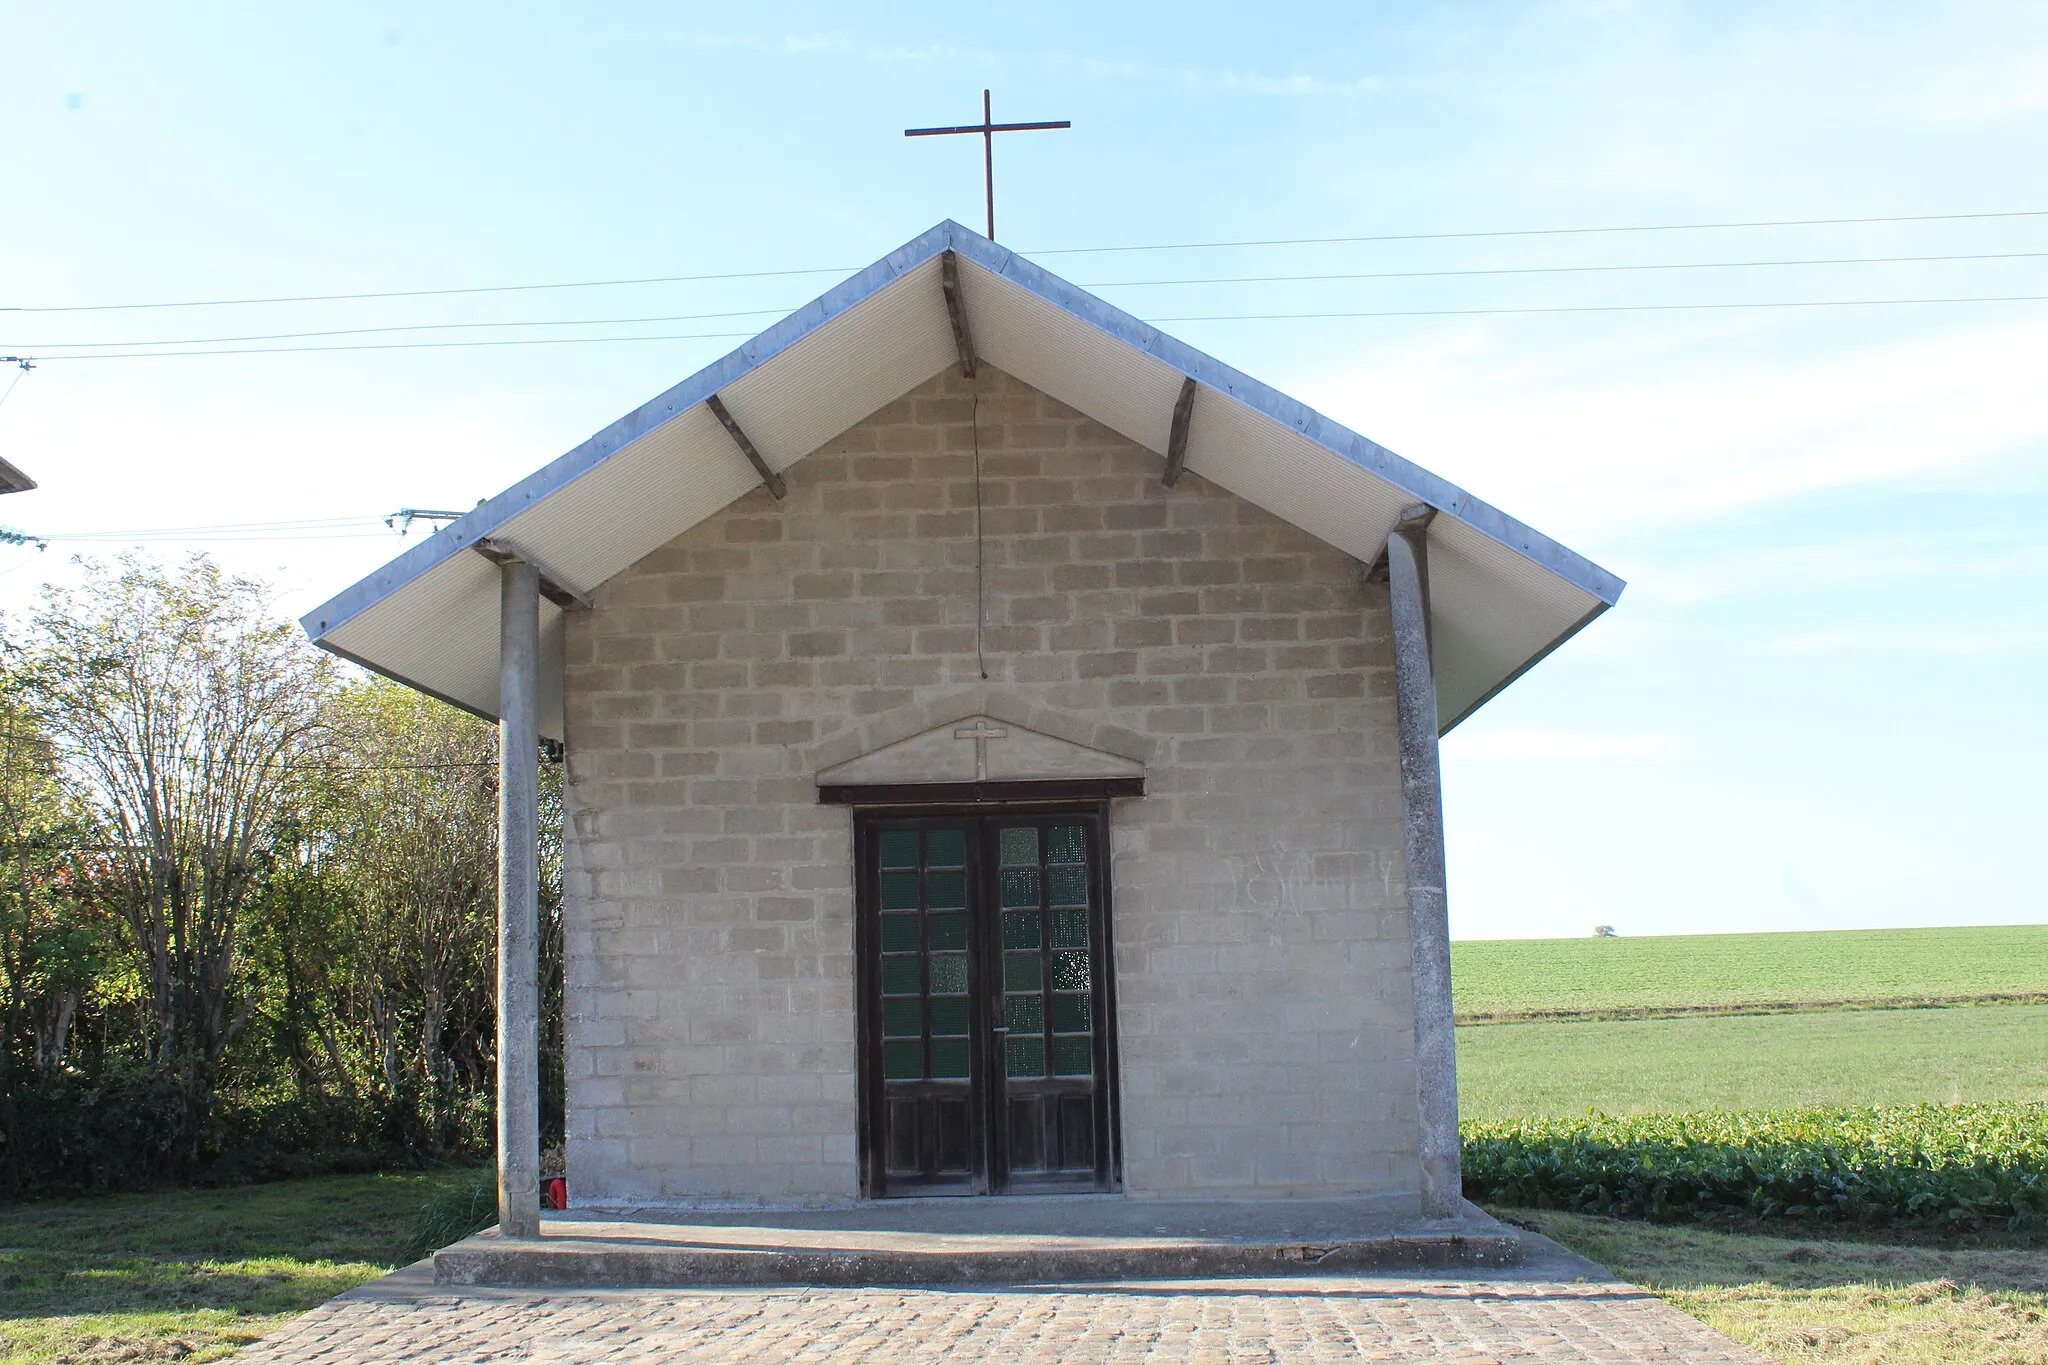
[
  {"x": 192, "y": 1274},
  {"x": 1836, "y": 1301},
  {"x": 1754, "y": 1061},
  {"x": 1593, "y": 974}
]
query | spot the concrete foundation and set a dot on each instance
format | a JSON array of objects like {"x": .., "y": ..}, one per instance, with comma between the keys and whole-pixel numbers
[{"x": 955, "y": 1241}]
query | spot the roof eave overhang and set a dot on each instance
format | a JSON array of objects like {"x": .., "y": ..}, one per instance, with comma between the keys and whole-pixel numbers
[{"x": 1410, "y": 481}]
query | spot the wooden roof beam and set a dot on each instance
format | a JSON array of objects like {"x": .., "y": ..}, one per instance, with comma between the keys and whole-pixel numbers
[
  {"x": 1177, "y": 439},
  {"x": 768, "y": 476},
  {"x": 956, "y": 311}
]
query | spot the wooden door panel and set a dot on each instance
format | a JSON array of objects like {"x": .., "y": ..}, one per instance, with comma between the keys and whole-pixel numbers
[
  {"x": 919, "y": 973},
  {"x": 985, "y": 1002}
]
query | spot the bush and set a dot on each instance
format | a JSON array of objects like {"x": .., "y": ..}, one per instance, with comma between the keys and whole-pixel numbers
[
  {"x": 133, "y": 1128},
  {"x": 1956, "y": 1165},
  {"x": 454, "y": 1211}
]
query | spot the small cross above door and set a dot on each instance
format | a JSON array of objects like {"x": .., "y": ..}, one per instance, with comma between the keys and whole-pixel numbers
[{"x": 981, "y": 732}]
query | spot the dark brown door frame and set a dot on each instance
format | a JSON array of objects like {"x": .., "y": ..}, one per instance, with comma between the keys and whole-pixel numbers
[{"x": 988, "y": 1042}]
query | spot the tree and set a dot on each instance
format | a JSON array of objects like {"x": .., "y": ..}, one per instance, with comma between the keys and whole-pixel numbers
[
  {"x": 406, "y": 812},
  {"x": 182, "y": 708}
]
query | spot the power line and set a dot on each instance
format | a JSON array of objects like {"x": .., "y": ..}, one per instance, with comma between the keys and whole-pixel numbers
[
  {"x": 1051, "y": 251},
  {"x": 1598, "y": 308},
  {"x": 1204, "y": 317},
  {"x": 418, "y": 327},
  {"x": 1568, "y": 269},
  {"x": 1107, "y": 284},
  {"x": 404, "y": 346},
  {"x": 423, "y": 293},
  {"x": 1539, "y": 232}
]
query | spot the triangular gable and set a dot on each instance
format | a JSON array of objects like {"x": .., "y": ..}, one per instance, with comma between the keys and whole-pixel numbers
[
  {"x": 978, "y": 748},
  {"x": 1502, "y": 595}
]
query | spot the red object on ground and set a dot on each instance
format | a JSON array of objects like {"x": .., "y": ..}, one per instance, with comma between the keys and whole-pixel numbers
[{"x": 555, "y": 1193}]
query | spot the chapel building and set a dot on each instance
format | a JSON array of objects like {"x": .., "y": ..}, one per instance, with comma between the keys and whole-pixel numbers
[{"x": 1001, "y": 759}]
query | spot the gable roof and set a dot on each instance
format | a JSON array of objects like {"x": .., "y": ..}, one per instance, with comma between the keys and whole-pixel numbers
[{"x": 1502, "y": 596}]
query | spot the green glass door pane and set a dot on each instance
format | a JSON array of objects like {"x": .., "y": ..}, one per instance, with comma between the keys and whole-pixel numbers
[
  {"x": 1070, "y": 971},
  {"x": 949, "y": 973},
  {"x": 949, "y": 1059},
  {"x": 899, "y": 848},
  {"x": 900, "y": 976},
  {"x": 1020, "y": 888},
  {"x": 1023, "y": 972},
  {"x": 949, "y": 1015},
  {"x": 1021, "y": 929},
  {"x": 1066, "y": 844},
  {"x": 899, "y": 891},
  {"x": 1070, "y": 928},
  {"x": 1070, "y": 1014},
  {"x": 899, "y": 933},
  {"x": 1024, "y": 1058},
  {"x": 945, "y": 890},
  {"x": 1071, "y": 1056},
  {"x": 945, "y": 848},
  {"x": 1066, "y": 885},
  {"x": 903, "y": 1061},
  {"x": 1019, "y": 845},
  {"x": 1024, "y": 1013},
  {"x": 902, "y": 1019},
  {"x": 946, "y": 932}
]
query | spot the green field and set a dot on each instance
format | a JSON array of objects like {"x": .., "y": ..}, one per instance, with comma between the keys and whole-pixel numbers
[
  {"x": 1754, "y": 1061},
  {"x": 1595, "y": 974}
]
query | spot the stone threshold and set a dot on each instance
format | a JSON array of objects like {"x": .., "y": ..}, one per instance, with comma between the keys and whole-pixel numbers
[{"x": 1018, "y": 1240}]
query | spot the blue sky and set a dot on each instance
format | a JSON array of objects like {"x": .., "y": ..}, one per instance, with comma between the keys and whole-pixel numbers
[{"x": 1818, "y": 704}]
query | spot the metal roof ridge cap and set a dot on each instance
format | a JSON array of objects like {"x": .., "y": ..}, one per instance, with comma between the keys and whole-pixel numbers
[
  {"x": 493, "y": 513},
  {"x": 1340, "y": 440}
]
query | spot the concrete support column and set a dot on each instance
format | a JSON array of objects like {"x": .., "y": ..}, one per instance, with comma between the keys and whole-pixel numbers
[
  {"x": 518, "y": 901},
  {"x": 1422, "y": 840}
]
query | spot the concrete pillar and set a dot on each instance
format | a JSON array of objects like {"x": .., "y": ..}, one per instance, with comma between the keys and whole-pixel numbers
[
  {"x": 518, "y": 901},
  {"x": 1422, "y": 841}
]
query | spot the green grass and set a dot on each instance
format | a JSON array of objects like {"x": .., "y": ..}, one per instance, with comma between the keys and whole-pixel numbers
[
  {"x": 1594, "y": 974},
  {"x": 1842, "y": 1302},
  {"x": 193, "y": 1274},
  {"x": 1767, "y": 1061}
]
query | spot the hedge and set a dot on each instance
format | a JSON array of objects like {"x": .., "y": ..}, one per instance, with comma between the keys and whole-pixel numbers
[{"x": 1959, "y": 1165}]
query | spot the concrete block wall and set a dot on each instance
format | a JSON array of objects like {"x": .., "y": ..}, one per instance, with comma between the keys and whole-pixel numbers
[{"x": 1260, "y": 927}]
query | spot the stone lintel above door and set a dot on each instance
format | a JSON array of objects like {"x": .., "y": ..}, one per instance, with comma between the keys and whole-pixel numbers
[{"x": 978, "y": 748}]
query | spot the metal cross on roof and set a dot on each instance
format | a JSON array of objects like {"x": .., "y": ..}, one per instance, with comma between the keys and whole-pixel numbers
[{"x": 988, "y": 128}]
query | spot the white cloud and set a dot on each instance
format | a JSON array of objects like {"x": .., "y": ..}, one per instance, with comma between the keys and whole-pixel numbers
[
  {"x": 1904, "y": 639},
  {"x": 1228, "y": 81},
  {"x": 1615, "y": 436},
  {"x": 1549, "y": 745},
  {"x": 1756, "y": 571}
]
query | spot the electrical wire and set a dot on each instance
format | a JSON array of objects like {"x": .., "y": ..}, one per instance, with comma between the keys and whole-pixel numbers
[
  {"x": 1566, "y": 270},
  {"x": 417, "y": 327},
  {"x": 424, "y": 293},
  {"x": 403, "y": 346},
  {"x": 1594, "y": 308},
  {"x": 45, "y": 348},
  {"x": 1198, "y": 317},
  {"x": 1051, "y": 251},
  {"x": 1537, "y": 232}
]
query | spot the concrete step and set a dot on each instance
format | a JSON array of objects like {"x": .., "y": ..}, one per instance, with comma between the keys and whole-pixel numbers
[{"x": 1040, "y": 1240}]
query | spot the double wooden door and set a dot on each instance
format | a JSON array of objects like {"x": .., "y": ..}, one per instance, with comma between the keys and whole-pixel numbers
[{"x": 986, "y": 1002}]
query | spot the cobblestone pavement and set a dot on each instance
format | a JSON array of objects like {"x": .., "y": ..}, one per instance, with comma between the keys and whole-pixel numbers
[{"x": 405, "y": 1317}]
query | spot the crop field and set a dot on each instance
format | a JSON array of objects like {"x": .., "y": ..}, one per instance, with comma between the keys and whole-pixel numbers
[
  {"x": 1754, "y": 1061},
  {"x": 1594, "y": 975}
]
